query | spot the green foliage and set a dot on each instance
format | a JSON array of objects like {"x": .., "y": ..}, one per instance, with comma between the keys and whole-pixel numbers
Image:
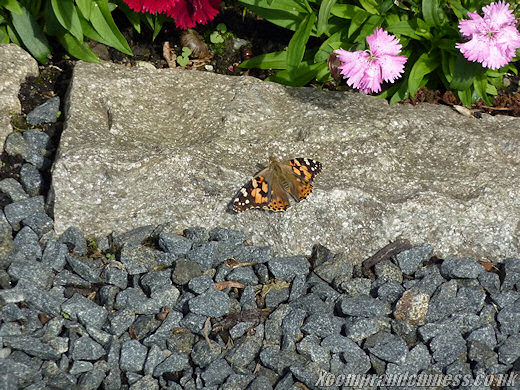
[
  {"x": 427, "y": 29},
  {"x": 30, "y": 23},
  {"x": 184, "y": 58}
]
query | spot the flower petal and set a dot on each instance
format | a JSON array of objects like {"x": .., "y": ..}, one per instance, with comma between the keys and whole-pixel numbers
[{"x": 380, "y": 43}]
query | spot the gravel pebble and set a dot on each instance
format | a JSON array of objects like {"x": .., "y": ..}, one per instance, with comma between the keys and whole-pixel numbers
[
  {"x": 461, "y": 268},
  {"x": 46, "y": 112}
]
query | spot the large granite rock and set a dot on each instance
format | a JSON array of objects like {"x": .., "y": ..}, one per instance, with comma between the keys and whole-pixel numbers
[
  {"x": 144, "y": 147},
  {"x": 15, "y": 65}
]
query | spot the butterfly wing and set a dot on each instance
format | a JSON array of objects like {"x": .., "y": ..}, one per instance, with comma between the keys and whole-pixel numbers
[
  {"x": 304, "y": 170},
  {"x": 279, "y": 201},
  {"x": 254, "y": 194}
]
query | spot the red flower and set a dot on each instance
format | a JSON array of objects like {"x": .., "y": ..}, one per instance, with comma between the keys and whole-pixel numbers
[
  {"x": 152, "y": 6},
  {"x": 187, "y": 13}
]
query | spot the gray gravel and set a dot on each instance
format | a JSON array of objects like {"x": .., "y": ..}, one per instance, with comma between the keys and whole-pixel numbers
[{"x": 150, "y": 309}]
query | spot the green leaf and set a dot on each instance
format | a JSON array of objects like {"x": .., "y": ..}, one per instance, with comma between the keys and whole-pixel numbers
[
  {"x": 12, "y": 5},
  {"x": 4, "y": 36},
  {"x": 216, "y": 37},
  {"x": 401, "y": 94},
  {"x": 332, "y": 43},
  {"x": 346, "y": 11},
  {"x": 424, "y": 65},
  {"x": 464, "y": 73},
  {"x": 31, "y": 35},
  {"x": 433, "y": 14},
  {"x": 404, "y": 27},
  {"x": 459, "y": 11},
  {"x": 385, "y": 6},
  {"x": 281, "y": 5},
  {"x": 371, "y": 6},
  {"x": 85, "y": 7},
  {"x": 369, "y": 26},
  {"x": 67, "y": 15},
  {"x": 158, "y": 25},
  {"x": 102, "y": 21},
  {"x": 297, "y": 78},
  {"x": 275, "y": 60},
  {"x": 221, "y": 27},
  {"x": 465, "y": 97},
  {"x": 323, "y": 15},
  {"x": 133, "y": 17},
  {"x": 323, "y": 73},
  {"x": 13, "y": 36},
  {"x": 77, "y": 48},
  {"x": 285, "y": 19},
  {"x": 186, "y": 51},
  {"x": 183, "y": 60},
  {"x": 391, "y": 19},
  {"x": 296, "y": 48},
  {"x": 480, "y": 84},
  {"x": 357, "y": 20}
]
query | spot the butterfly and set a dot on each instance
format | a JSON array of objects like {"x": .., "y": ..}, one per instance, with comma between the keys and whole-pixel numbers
[{"x": 271, "y": 187}]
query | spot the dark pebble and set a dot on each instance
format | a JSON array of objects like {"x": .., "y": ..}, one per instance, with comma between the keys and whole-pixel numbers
[
  {"x": 286, "y": 268},
  {"x": 13, "y": 189},
  {"x": 74, "y": 240},
  {"x": 17, "y": 211},
  {"x": 46, "y": 112},
  {"x": 461, "y": 268},
  {"x": 31, "y": 179}
]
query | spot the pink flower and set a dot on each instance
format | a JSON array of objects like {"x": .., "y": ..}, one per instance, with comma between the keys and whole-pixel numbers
[
  {"x": 187, "y": 13},
  {"x": 493, "y": 39},
  {"x": 366, "y": 69}
]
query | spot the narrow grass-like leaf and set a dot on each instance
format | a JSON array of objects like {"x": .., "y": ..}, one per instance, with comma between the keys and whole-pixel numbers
[
  {"x": 282, "y": 18},
  {"x": 159, "y": 21},
  {"x": 102, "y": 21},
  {"x": 31, "y": 35},
  {"x": 77, "y": 48},
  {"x": 332, "y": 43},
  {"x": 297, "y": 78},
  {"x": 12, "y": 5},
  {"x": 404, "y": 27},
  {"x": 133, "y": 17},
  {"x": 283, "y": 5},
  {"x": 85, "y": 7},
  {"x": 296, "y": 48},
  {"x": 465, "y": 97},
  {"x": 4, "y": 36},
  {"x": 371, "y": 6},
  {"x": 369, "y": 26},
  {"x": 323, "y": 15},
  {"x": 275, "y": 60},
  {"x": 13, "y": 37},
  {"x": 357, "y": 21},
  {"x": 401, "y": 94},
  {"x": 67, "y": 15},
  {"x": 345, "y": 11},
  {"x": 323, "y": 73},
  {"x": 424, "y": 65},
  {"x": 480, "y": 84},
  {"x": 433, "y": 14}
]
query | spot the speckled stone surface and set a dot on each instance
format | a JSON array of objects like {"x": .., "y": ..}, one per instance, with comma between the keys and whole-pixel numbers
[
  {"x": 147, "y": 146},
  {"x": 15, "y": 65}
]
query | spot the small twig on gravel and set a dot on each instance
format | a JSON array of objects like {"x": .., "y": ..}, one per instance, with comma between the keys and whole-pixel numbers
[
  {"x": 206, "y": 332},
  {"x": 398, "y": 246}
]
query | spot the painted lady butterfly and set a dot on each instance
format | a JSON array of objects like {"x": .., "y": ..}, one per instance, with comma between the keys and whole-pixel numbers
[{"x": 271, "y": 187}]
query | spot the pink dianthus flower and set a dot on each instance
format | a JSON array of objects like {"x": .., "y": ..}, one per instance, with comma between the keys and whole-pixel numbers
[
  {"x": 493, "y": 39},
  {"x": 366, "y": 69}
]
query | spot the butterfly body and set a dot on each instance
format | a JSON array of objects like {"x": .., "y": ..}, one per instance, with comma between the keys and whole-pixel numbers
[{"x": 271, "y": 187}]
